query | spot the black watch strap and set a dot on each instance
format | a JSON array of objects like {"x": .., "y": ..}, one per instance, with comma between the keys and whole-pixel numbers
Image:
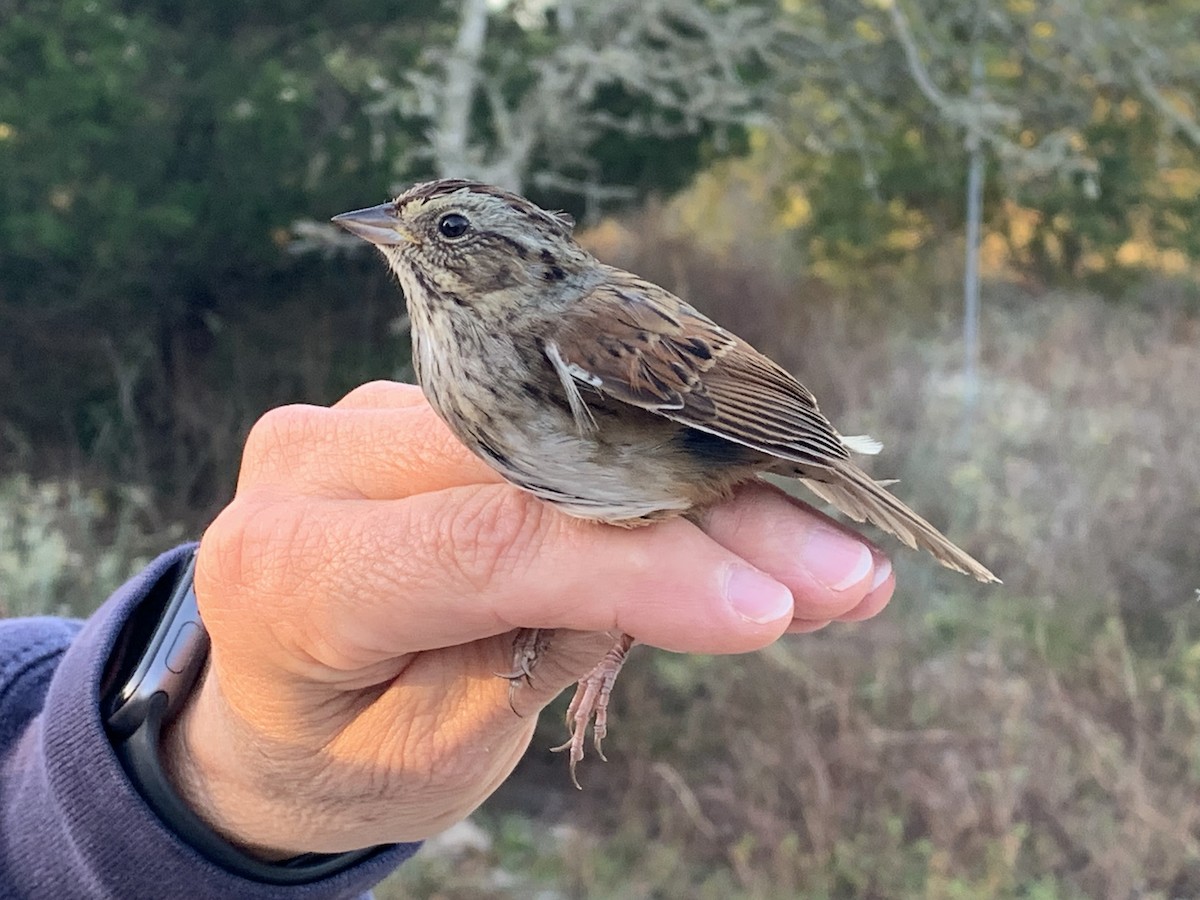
[{"x": 162, "y": 669}]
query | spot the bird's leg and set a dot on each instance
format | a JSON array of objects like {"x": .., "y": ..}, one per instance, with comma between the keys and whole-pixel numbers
[
  {"x": 590, "y": 703},
  {"x": 528, "y": 646}
]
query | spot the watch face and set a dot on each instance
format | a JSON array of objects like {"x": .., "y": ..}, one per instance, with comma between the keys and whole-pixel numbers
[
  {"x": 159, "y": 653},
  {"x": 132, "y": 643}
]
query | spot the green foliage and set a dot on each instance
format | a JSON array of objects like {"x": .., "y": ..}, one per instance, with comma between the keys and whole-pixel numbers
[
  {"x": 1040, "y": 740},
  {"x": 153, "y": 159}
]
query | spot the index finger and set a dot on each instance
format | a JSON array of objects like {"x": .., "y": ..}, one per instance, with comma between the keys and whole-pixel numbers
[
  {"x": 358, "y": 582},
  {"x": 364, "y": 449}
]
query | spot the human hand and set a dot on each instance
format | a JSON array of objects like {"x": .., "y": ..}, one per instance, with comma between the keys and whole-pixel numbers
[{"x": 361, "y": 593}]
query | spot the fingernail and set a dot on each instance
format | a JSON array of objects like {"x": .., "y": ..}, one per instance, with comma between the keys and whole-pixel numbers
[
  {"x": 756, "y": 597},
  {"x": 835, "y": 559},
  {"x": 883, "y": 570}
]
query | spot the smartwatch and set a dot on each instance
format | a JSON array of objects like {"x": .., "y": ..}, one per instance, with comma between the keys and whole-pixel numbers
[{"x": 157, "y": 660}]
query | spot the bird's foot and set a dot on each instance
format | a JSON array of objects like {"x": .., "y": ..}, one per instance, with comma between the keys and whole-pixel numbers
[
  {"x": 528, "y": 646},
  {"x": 590, "y": 704}
]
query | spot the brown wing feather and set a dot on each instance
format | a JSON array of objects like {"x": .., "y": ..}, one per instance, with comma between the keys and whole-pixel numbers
[
  {"x": 644, "y": 346},
  {"x": 862, "y": 498}
]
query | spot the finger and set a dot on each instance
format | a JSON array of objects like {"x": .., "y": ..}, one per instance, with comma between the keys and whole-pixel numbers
[
  {"x": 806, "y": 626},
  {"x": 353, "y": 582},
  {"x": 372, "y": 452},
  {"x": 829, "y": 568},
  {"x": 382, "y": 395},
  {"x": 883, "y": 585}
]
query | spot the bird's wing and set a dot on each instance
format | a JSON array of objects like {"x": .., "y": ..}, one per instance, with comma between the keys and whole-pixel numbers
[{"x": 638, "y": 343}]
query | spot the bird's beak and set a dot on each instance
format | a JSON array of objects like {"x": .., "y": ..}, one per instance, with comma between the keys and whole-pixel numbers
[{"x": 376, "y": 224}]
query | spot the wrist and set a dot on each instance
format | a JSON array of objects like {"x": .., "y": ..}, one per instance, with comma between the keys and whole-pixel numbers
[
  {"x": 248, "y": 818},
  {"x": 198, "y": 780},
  {"x": 210, "y": 764}
]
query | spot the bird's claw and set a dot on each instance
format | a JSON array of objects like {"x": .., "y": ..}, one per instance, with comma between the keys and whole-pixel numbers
[
  {"x": 528, "y": 646},
  {"x": 590, "y": 705}
]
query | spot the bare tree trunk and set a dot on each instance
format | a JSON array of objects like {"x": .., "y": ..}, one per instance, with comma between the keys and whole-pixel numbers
[{"x": 451, "y": 137}]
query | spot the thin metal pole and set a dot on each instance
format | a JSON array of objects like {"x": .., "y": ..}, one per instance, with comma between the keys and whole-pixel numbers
[{"x": 971, "y": 268}]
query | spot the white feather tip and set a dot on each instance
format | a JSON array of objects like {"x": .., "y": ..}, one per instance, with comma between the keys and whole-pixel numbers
[{"x": 862, "y": 443}]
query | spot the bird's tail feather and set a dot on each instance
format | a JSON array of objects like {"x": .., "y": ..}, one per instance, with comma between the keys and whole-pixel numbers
[{"x": 860, "y": 497}]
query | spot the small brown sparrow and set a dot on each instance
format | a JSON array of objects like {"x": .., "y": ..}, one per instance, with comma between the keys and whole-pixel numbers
[{"x": 599, "y": 392}]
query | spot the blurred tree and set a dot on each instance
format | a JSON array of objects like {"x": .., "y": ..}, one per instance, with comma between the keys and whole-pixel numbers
[
  {"x": 154, "y": 158},
  {"x": 1087, "y": 108},
  {"x": 579, "y": 104}
]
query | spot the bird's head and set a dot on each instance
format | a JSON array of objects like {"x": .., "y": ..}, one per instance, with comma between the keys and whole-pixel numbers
[{"x": 471, "y": 244}]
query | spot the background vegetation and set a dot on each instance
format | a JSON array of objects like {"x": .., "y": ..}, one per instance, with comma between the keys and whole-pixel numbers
[{"x": 796, "y": 169}]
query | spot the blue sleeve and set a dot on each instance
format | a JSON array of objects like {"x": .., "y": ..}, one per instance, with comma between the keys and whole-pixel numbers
[{"x": 71, "y": 823}]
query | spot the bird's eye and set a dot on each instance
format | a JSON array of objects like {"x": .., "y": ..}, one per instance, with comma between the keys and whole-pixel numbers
[{"x": 453, "y": 225}]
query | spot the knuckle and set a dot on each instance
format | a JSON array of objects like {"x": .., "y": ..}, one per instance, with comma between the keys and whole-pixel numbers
[
  {"x": 495, "y": 535},
  {"x": 250, "y": 545},
  {"x": 277, "y": 438}
]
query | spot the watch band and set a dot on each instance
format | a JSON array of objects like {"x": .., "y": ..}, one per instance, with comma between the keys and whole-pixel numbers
[{"x": 161, "y": 678}]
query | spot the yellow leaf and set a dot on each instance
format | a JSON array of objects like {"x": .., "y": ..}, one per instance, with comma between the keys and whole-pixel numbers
[
  {"x": 1053, "y": 246},
  {"x": 903, "y": 239},
  {"x": 797, "y": 210},
  {"x": 1182, "y": 183},
  {"x": 1043, "y": 30},
  {"x": 1173, "y": 262},
  {"x": 1134, "y": 253},
  {"x": 1004, "y": 68},
  {"x": 1022, "y": 225},
  {"x": 1176, "y": 221},
  {"x": 867, "y": 31},
  {"x": 993, "y": 252}
]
